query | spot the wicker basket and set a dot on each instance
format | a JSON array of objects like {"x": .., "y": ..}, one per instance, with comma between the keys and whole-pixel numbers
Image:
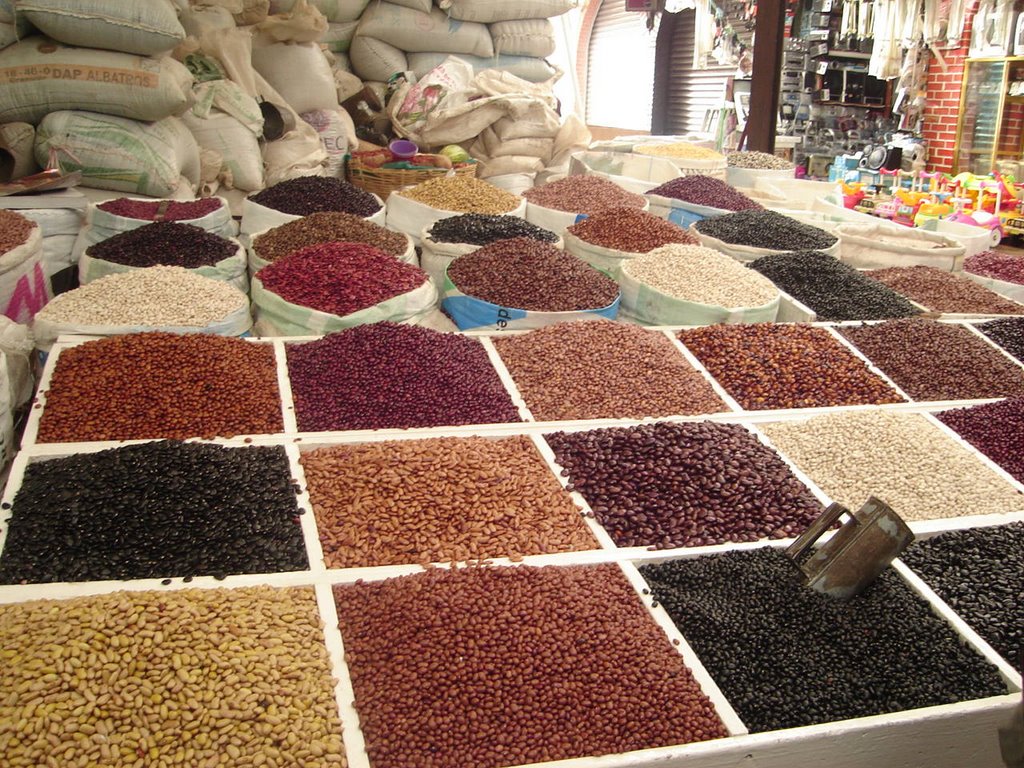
[{"x": 384, "y": 181}]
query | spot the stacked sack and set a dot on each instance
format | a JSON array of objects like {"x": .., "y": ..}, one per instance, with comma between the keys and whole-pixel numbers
[
  {"x": 510, "y": 126},
  {"x": 416, "y": 36},
  {"x": 103, "y": 96},
  {"x": 255, "y": 74}
]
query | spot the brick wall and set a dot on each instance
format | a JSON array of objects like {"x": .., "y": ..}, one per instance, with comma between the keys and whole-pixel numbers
[{"x": 943, "y": 97}]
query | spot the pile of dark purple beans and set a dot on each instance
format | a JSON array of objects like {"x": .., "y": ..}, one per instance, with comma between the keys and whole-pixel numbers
[
  {"x": 485, "y": 228},
  {"x": 313, "y": 194},
  {"x": 707, "y": 191},
  {"x": 164, "y": 243}
]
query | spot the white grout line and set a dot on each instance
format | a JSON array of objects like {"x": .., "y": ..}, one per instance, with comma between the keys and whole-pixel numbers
[
  {"x": 697, "y": 365},
  {"x": 344, "y": 694},
  {"x": 941, "y": 609},
  {"x": 284, "y": 386},
  {"x": 589, "y": 518},
  {"x": 310, "y": 532},
  {"x": 867, "y": 361},
  {"x": 506, "y": 378},
  {"x": 732, "y": 721}
]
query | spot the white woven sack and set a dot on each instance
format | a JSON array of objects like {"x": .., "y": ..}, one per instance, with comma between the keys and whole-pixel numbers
[
  {"x": 277, "y": 317},
  {"x": 747, "y": 253},
  {"x": 256, "y": 262},
  {"x": 24, "y": 289},
  {"x": 412, "y": 217},
  {"x": 524, "y": 37},
  {"x": 230, "y": 270},
  {"x": 120, "y": 154},
  {"x": 338, "y": 37},
  {"x": 145, "y": 27},
  {"x": 608, "y": 260},
  {"x": 528, "y": 68},
  {"x": 749, "y": 177},
  {"x": 550, "y": 218},
  {"x": 653, "y": 307},
  {"x": 337, "y": 134},
  {"x": 259, "y": 218},
  {"x": 423, "y": 6},
  {"x": 7, "y": 441},
  {"x": 16, "y": 344},
  {"x": 235, "y": 323},
  {"x": 99, "y": 224},
  {"x": 333, "y": 10},
  {"x": 415, "y": 31},
  {"x": 20, "y": 140},
  {"x": 692, "y": 166},
  {"x": 1012, "y": 291},
  {"x": 238, "y": 147},
  {"x": 375, "y": 60},
  {"x": 488, "y": 11},
  {"x": 55, "y": 222},
  {"x": 198, "y": 20},
  {"x": 40, "y": 76},
  {"x": 871, "y": 246},
  {"x": 299, "y": 72},
  {"x": 58, "y": 254},
  {"x": 634, "y": 173},
  {"x": 8, "y": 34}
]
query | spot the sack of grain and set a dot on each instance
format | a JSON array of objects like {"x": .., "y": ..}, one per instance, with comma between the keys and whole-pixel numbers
[
  {"x": 488, "y": 11},
  {"x": 410, "y": 30},
  {"x": 299, "y": 72},
  {"x": 376, "y": 60},
  {"x": 238, "y": 147},
  {"x": 529, "y": 68},
  {"x": 24, "y": 289},
  {"x": 145, "y": 27},
  {"x": 231, "y": 269},
  {"x": 157, "y": 159},
  {"x": 524, "y": 37},
  {"x": 338, "y": 37},
  {"x": 40, "y": 76},
  {"x": 874, "y": 246},
  {"x": 691, "y": 285},
  {"x": 18, "y": 159},
  {"x": 334, "y": 10},
  {"x": 169, "y": 299},
  {"x": 337, "y": 133},
  {"x": 404, "y": 295}
]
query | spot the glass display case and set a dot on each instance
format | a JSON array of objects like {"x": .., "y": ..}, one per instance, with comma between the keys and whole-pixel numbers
[{"x": 991, "y": 123}]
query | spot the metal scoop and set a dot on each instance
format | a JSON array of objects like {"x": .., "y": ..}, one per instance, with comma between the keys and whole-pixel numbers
[{"x": 859, "y": 551}]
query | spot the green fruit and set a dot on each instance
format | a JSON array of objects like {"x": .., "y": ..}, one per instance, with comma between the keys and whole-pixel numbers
[{"x": 455, "y": 153}]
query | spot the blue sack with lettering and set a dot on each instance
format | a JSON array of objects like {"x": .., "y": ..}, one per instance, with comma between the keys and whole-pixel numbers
[{"x": 470, "y": 313}]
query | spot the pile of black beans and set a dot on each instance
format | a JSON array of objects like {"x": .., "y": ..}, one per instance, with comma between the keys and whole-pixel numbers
[
  {"x": 766, "y": 229},
  {"x": 835, "y": 291},
  {"x": 785, "y": 655},
  {"x": 485, "y": 228},
  {"x": 154, "y": 510},
  {"x": 979, "y": 572}
]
